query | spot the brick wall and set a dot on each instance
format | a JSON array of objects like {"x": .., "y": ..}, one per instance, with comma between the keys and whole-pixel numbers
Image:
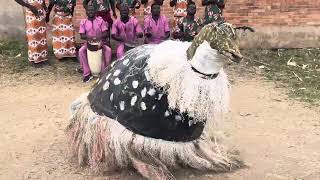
[
  {"x": 11, "y": 20},
  {"x": 274, "y": 12},
  {"x": 257, "y": 13},
  {"x": 278, "y": 23}
]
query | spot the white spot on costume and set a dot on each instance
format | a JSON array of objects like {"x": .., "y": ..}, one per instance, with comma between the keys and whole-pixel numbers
[
  {"x": 111, "y": 97},
  {"x": 144, "y": 92},
  {"x": 152, "y": 92},
  {"x": 133, "y": 100},
  {"x": 143, "y": 106},
  {"x": 125, "y": 62},
  {"x": 178, "y": 118},
  {"x": 116, "y": 73},
  {"x": 122, "y": 105},
  {"x": 166, "y": 114},
  {"x": 106, "y": 86},
  {"x": 135, "y": 84},
  {"x": 117, "y": 81}
]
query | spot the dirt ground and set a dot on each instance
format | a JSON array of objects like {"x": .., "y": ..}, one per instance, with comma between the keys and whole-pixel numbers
[{"x": 278, "y": 138}]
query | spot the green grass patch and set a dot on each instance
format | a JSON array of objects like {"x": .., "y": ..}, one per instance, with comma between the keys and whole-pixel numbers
[
  {"x": 14, "y": 55},
  {"x": 298, "y": 69}
]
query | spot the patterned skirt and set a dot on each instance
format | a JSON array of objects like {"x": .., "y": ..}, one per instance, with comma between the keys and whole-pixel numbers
[
  {"x": 63, "y": 37},
  {"x": 36, "y": 32}
]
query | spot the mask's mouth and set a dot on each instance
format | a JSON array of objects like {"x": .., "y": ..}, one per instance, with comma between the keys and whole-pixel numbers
[{"x": 232, "y": 55}]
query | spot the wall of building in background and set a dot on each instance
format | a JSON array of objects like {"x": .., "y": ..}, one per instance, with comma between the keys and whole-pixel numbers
[
  {"x": 279, "y": 23},
  {"x": 11, "y": 20},
  {"x": 256, "y": 12}
]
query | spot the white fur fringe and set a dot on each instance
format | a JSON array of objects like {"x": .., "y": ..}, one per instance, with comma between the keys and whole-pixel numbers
[
  {"x": 203, "y": 99},
  {"x": 104, "y": 144}
]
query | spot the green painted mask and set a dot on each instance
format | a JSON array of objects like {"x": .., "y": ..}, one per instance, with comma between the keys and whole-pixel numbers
[{"x": 221, "y": 37}]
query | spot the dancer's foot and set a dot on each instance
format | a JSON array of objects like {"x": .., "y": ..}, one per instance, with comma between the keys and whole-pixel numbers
[{"x": 87, "y": 78}]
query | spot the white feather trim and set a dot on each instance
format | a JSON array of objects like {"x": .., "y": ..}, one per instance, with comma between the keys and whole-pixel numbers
[{"x": 203, "y": 99}]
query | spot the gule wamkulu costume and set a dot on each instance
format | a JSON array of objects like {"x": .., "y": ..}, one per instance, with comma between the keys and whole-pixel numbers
[{"x": 151, "y": 109}]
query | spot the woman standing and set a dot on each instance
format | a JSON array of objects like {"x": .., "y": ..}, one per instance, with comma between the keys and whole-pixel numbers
[
  {"x": 36, "y": 30},
  {"x": 63, "y": 35}
]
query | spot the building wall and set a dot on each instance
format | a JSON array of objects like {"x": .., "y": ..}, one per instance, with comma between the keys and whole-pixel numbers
[
  {"x": 279, "y": 23},
  {"x": 11, "y": 20},
  {"x": 257, "y": 12}
]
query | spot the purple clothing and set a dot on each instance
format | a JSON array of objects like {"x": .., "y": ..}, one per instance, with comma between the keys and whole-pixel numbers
[
  {"x": 84, "y": 59},
  {"x": 120, "y": 50},
  {"x": 93, "y": 28},
  {"x": 156, "y": 28},
  {"x": 127, "y": 31}
]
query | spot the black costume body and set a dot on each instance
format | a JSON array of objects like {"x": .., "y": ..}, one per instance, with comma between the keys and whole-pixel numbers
[{"x": 126, "y": 93}]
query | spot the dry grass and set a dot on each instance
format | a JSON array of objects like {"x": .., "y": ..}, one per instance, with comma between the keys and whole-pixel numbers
[
  {"x": 13, "y": 55},
  {"x": 296, "y": 69},
  {"x": 14, "y": 66}
]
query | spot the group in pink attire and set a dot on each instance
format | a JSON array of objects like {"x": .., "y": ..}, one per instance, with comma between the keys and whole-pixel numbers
[
  {"x": 93, "y": 29},
  {"x": 125, "y": 30},
  {"x": 156, "y": 26}
]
